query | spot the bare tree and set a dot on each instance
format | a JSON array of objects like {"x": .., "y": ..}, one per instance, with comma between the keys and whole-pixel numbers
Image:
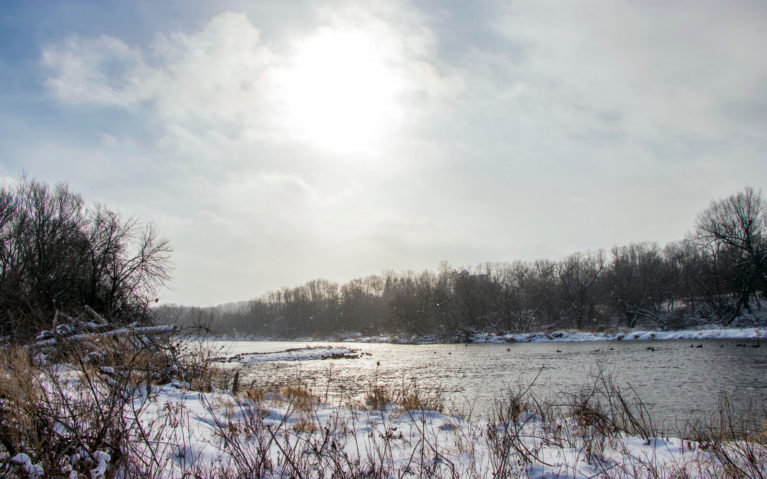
[
  {"x": 579, "y": 275},
  {"x": 58, "y": 253},
  {"x": 635, "y": 283},
  {"x": 738, "y": 225},
  {"x": 517, "y": 298}
]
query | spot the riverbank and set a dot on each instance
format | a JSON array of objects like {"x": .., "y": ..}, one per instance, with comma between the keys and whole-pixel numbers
[
  {"x": 288, "y": 433},
  {"x": 125, "y": 418},
  {"x": 639, "y": 335},
  {"x": 754, "y": 333}
]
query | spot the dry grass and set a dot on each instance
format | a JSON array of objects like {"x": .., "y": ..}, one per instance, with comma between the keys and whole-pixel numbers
[
  {"x": 69, "y": 415},
  {"x": 257, "y": 440},
  {"x": 299, "y": 396},
  {"x": 19, "y": 396},
  {"x": 739, "y": 450},
  {"x": 255, "y": 393},
  {"x": 62, "y": 429},
  {"x": 407, "y": 395},
  {"x": 195, "y": 360},
  {"x": 305, "y": 425}
]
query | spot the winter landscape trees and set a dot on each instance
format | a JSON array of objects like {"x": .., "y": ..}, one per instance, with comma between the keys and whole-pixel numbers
[
  {"x": 716, "y": 275},
  {"x": 57, "y": 253},
  {"x": 735, "y": 231},
  {"x": 115, "y": 404}
]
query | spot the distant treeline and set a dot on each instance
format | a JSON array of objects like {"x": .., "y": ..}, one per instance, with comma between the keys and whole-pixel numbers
[{"x": 714, "y": 276}]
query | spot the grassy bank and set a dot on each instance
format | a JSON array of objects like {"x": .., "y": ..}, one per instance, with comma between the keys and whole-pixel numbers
[{"x": 170, "y": 413}]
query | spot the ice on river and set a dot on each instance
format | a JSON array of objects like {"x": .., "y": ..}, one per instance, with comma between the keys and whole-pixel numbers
[{"x": 311, "y": 353}]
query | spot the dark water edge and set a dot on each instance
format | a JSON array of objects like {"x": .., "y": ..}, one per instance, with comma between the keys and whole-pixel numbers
[{"x": 677, "y": 381}]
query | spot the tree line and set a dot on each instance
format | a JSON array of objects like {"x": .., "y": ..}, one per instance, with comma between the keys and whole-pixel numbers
[
  {"x": 58, "y": 253},
  {"x": 718, "y": 274}
]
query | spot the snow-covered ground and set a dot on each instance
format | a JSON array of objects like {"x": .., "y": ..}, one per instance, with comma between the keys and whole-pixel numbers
[
  {"x": 280, "y": 435},
  {"x": 562, "y": 336},
  {"x": 287, "y": 432},
  {"x": 555, "y": 336}
]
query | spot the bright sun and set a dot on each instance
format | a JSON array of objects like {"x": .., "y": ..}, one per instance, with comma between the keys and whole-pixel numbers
[{"x": 340, "y": 91}]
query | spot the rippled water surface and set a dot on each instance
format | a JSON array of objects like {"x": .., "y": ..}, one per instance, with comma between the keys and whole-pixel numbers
[{"x": 676, "y": 380}]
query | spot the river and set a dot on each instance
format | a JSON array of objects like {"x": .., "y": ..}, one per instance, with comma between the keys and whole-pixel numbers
[{"x": 677, "y": 381}]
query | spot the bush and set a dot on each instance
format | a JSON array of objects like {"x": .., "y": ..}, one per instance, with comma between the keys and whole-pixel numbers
[
  {"x": 57, "y": 253},
  {"x": 63, "y": 429}
]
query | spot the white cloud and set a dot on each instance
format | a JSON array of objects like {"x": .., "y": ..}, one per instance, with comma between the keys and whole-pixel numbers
[
  {"x": 652, "y": 69},
  {"x": 101, "y": 70},
  {"x": 218, "y": 74},
  {"x": 225, "y": 77},
  {"x": 546, "y": 128}
]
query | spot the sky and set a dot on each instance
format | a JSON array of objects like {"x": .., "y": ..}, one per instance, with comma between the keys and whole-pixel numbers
[{"x": 277, "y": 142}]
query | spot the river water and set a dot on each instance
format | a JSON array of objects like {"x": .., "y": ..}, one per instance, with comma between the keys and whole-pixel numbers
[{"x": 677, "y": 381}]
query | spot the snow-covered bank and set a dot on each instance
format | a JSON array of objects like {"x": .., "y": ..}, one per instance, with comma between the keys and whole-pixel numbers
[
  {"x": 578, "y": 336},
  {"x": 279, "y": 436},
  {"x": 537, "y": 337},
  {"x": 282, "y": 431}
]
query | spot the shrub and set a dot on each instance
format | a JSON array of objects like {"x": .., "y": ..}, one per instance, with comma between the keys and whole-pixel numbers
[{"x": 57, "y": 253}]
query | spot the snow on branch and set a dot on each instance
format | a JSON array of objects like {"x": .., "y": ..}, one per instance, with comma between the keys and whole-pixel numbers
[{"x": 76, "y": 330}]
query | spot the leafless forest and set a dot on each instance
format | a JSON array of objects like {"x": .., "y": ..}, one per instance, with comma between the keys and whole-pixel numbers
[{"x": 717, "y": 275}]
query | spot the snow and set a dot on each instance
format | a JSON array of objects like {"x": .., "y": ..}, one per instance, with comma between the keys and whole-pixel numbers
[
  {"x": 33, "y": 470},
  {"x": 102, "y": 458},
  {"x": 192, "y": 431},
  {"x": 579, "y": 336},
  {"x": 538, "y": 337},
  {"x": 294, "y": 354},
  {"x": 405, "y": 440}
]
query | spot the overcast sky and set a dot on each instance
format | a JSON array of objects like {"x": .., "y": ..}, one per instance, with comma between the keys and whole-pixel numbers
[{"x": 276, "y": 142}]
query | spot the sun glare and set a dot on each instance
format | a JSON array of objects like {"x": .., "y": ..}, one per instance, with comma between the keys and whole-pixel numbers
[{"x": 340, "y": 91}]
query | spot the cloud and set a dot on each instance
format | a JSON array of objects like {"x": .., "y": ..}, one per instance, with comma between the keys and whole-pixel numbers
[
  {"x": 512, "y": 130},
  {"x": 219, "y": 73},
  {"x": 225, "y": 77},
  {"x": 102, "y": 71},
  {"x": 214, "y": 75},
  {"x": 649, "y": 69}
]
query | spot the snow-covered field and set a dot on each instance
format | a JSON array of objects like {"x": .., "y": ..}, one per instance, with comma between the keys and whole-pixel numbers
[
  {"x": 285, "y": 431},
  {"x": 284, "y": 436}
]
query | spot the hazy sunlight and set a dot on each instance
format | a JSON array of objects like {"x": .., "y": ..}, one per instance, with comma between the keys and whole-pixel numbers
[{"x": 340, "y": 91}]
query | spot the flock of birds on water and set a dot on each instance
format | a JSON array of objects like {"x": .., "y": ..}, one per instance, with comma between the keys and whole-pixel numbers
[{"x": 652, "y": 348}]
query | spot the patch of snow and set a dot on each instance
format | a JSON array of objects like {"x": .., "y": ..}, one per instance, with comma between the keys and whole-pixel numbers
[
  {"x": 33, "y": 470},
  {"x": 296, "y": 354},
  {"x": 461, "y": 444},
  {"x": 102, "y": 459},
  {"x": 581, "y": 336}
]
